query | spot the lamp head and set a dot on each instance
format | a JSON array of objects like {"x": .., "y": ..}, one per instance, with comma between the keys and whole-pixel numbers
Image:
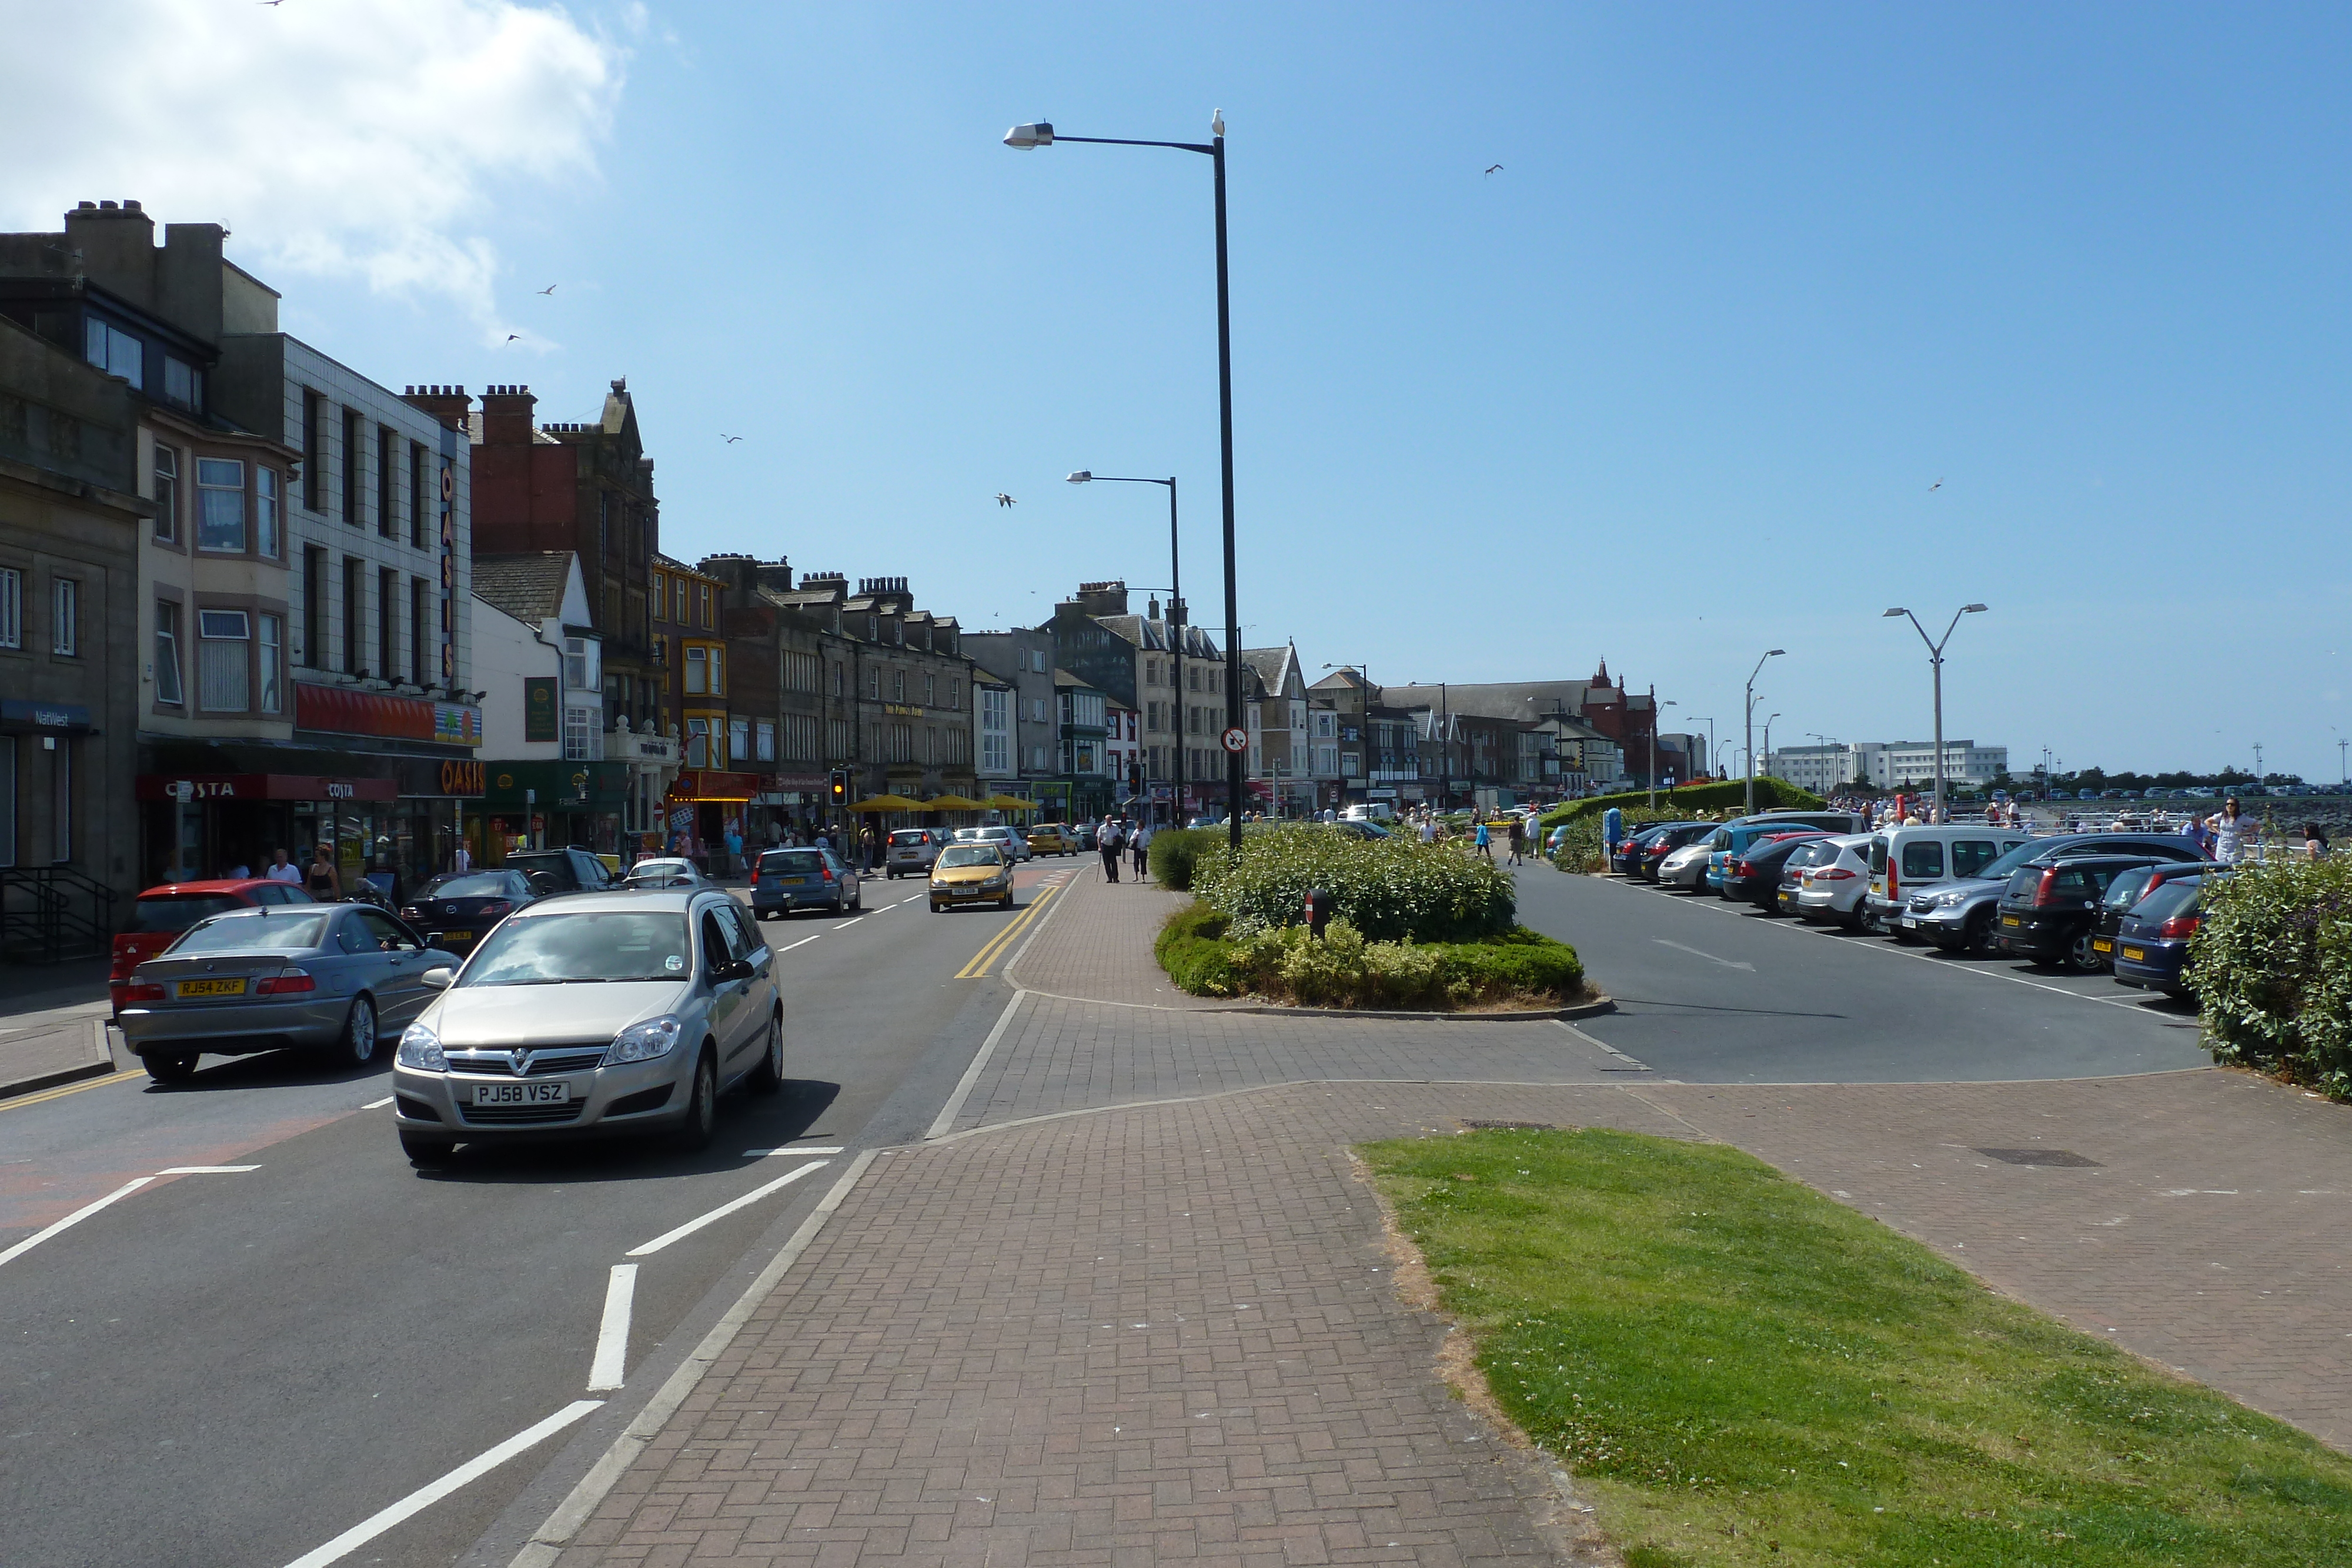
[
  {"x": 1776, "y": 652},
  {"x": 1972, "y": 609},
  {"x": 1899, "y": 610},
  {"x": 1082, "y": 475},
  {"x": 1025, "y": 137}
]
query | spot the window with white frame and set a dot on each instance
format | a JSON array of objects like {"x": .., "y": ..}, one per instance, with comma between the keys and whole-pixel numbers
[
  {"x": 697, "y": 669},
  {"x": 220, "y": 504},
  {"x": 12, "y": 608},
  {"x": 575, "y": 663},
  {"x": 167, "y": 493},
  {"x": 224, "y": 661},
  {"x": 266, "y": 539},
  {"x": 738, "y": 740},
  {"x": 717, "y": 671},
  {"x": 65, "y": 616},
  {"x": 270, "y": 657},
  {"x": 578, "y": 734},
  {"x": 167, "y": 651},
  {"x": 765, "y": 741},
  {"x": 698, "y": 743}
]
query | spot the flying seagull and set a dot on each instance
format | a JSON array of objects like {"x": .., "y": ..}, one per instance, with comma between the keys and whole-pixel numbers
[
  {"x": 1493, "y": 169},
  {"x": 512, "y": 336},
  {"x": 1002, "y": 499},
  {"x": 549, "y": 289},
  {"x": 1936, "y": 486},
  {"x": 731, "y": 440}
]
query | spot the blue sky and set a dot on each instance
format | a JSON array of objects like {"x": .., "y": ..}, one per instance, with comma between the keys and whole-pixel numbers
[{"x": 1670, "y": 389}]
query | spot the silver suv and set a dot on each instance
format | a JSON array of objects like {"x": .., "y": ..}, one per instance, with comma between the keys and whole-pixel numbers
[{"x": 593, "y": 1013}]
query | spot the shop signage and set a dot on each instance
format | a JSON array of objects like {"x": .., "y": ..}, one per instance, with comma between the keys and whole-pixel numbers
[
  {"x": 540, "y": 719},
  {"x": 45, "y": 715},
  {"x": 461, "y": 778},
  {"x": 345, "y": 710},
  {"x": 189, "y": 788},
  {"x": 457, "y": 724}
]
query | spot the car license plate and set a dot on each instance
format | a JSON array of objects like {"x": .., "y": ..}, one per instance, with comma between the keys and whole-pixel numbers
[
  {"x": 796, "y": 882},
  {"x": 457, "y": 937},
  {"x": 2012, "y": 920},
  {"x": 521, "y": 1094},
  {"x": 2101, "y": 945},
  {"x": 2136, "y": 955},
  {"x": 213, "y": 987}
]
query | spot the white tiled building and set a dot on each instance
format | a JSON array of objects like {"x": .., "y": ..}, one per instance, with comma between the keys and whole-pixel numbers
[{"x": 1886, "y": 764}]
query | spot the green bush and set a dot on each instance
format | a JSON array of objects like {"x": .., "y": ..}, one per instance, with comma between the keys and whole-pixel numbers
[
  {"x": 1581, "y": 848},
  {"x": 1389, "y": 889},
  {"x": 2270, "y": 965},
  {"x": 1685, "y": 801},
  {"x": 1175, "y": 851},
  {"x": 1191, "y": 948}
]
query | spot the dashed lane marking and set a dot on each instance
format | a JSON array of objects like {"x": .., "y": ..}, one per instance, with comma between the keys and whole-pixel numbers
[{"x": 724, "y": 1209}]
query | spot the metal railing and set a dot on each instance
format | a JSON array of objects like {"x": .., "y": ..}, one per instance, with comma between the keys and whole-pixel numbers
[{"x": 49, "y": 914}]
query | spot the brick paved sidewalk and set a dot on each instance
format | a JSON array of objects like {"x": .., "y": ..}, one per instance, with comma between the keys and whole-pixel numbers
[{"x": 1097, "y": 946}]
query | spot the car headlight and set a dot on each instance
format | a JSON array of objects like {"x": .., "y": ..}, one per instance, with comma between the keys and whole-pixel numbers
[
  {"x": 993, "y": 881},
  {"x": 643, "y": 1041},
  {"x": 1946, "y": 900},
  {"x": 420, "y": 1047}
]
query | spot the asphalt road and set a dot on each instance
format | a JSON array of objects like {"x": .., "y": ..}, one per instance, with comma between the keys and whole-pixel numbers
[
  {"x": 236, "y": 1367},
  {"x": 1712, "y": 992}
]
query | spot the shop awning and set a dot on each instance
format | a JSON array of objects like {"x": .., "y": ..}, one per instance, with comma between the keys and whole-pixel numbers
[
  {"x": 952, "y": 803},
  {"x": 887, "y": 803}
]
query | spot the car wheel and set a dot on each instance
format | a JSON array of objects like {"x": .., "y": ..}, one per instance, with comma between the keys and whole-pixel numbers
[
  {"x": 359, "y": 1033},
  {"x": 2081, "y": 956},
  {"x": 171, "y": 1066},
  {"x": 1007, "y": 903},
  {"x": 701, "y": 1122},
  {"x": 935, "y": 907},
  {"x": 1978, "y": 940},
  {"x": 425, "y": 1149},
  {"x": 768, "y": 1077}
]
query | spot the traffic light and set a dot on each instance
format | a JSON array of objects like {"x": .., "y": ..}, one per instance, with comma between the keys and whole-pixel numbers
[{"x": 840, "y": 787}]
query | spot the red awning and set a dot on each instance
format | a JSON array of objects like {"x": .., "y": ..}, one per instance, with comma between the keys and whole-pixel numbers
[
  {"x": 710, "y": 784},
  {"x": 261, "y": 786}
]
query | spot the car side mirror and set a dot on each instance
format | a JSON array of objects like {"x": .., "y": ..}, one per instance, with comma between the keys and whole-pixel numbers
[
  {"x": 732, "y": 969},
  {"x": 439, "y": 978}
]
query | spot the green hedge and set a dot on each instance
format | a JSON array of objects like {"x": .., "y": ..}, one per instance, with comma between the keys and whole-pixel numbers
[
  {"x": 1175, "y": 850},
  {"x": 1689, "y": 800},
  {"x": 2270, "y": 965},
  {"x": 1389, "y": 889},
  {"x": 1202, "y": 953}
]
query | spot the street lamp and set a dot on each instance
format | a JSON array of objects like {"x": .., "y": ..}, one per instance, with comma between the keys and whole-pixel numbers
[
  {"x": 1025, "y": 138},
  {"x": 1747, "y": 730},
  {"x": 1175, "y": 619},
  {"x": 1445, "y": 738},
  {"x": 1768, "y": 739},
  {"x": 1653, "y": 750},
  {"x": 1936, "y": 658}
]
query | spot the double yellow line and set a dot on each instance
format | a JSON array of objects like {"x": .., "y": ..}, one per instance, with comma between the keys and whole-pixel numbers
[{"x": 1000, "y": 943}]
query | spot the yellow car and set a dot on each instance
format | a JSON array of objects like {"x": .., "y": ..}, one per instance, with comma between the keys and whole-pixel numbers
[
  {"x": 971, "y": 873},
  {"x": 1052, "y": 839}
]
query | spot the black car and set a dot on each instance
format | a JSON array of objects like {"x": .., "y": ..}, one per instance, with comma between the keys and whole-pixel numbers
[
  {"x": 2152, "y": 940},
  {"x": 2125, "y": 894},
  {"x": 573, "y": 869},
  {"x": 1664, "y": 841},
  {"x": 1755, "y": 877},
  {"x": 1627, "y": 852},
  {"x": 2050, "y": 912},
  {"x": 456, "y": 911}
]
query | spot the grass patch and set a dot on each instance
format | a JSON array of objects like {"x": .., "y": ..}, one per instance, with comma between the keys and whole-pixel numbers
[{"x": 1740, "y": 1371}]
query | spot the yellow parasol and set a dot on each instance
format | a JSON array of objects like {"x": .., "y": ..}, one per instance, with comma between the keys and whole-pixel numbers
[
  {"x": 952, "y": 803},
  {"x": 886, "y": 803},
  {"x": 1007, "y": 803}
]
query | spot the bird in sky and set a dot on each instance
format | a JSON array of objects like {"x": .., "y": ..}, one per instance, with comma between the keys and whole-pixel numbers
[
  {"x": 1494, "y": 168},
  {"x": 513, "y": 336},
  {"x": 729, "y": 440},
  {"x": 269, "y": 2},
  {"x": 549, "y": 289},
  {"x": 1936, "y": 486},
  {"x": 1002, "y": 499}
]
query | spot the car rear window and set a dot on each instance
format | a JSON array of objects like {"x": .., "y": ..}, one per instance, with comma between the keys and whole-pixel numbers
[
  {"x": 908, "y": 838},
  {"x": 2171, "y": 899},
  {"x": 2126, "y": 890},
  {"x": 473, "y": 884},
  {"x": 1922, "y": 857},
  {"x": 178, "y": 912},
  {"x": 1877, "y": 856},
  {"x": 798, "y": 862},
  {"x": 255, "y": 933},
  {"x": 2074, "y": 882},
  {"x": 555, "y": 862}
]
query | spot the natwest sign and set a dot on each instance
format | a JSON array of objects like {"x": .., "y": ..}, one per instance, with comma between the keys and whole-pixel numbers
[{"x": 188, "y": 787}]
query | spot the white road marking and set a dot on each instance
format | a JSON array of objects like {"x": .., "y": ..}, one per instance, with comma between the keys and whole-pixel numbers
[
  {"x": 1599, "y": 1044},
  {"x": 802, "y": 942},
  {"x": 206, "y": 1170},
  {"x": 724, "y": 1209},
  {"x": 802, "y": 1149},
  {"x": 547, "y": 1542},
  {"x": 425, "y": 1496},
  {"x": 1708, "y": 956},
  {"x": 71, "y": 1220},
  {"x": 605, "y": 1371},
  {"x": 955, "y": 1107},
  {"x": 377, "y": 1105}
]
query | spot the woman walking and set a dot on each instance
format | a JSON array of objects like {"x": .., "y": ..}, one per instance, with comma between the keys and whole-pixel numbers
[{"x": 324, "y": 882}]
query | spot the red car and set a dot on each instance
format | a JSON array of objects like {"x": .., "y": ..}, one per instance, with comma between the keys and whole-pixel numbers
[{"x": 159, "y": 915}]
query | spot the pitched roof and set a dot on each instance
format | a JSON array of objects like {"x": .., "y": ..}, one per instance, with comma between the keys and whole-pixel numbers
[{"x": 528, "y": 586}]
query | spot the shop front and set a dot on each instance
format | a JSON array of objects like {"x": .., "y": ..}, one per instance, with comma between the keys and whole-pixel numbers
[
  {"x": 706, "y": 809},
  {"x": 201, "y": 825},
  {"x": 789, "y": 806},
  {"x": 551, "y": 804}
]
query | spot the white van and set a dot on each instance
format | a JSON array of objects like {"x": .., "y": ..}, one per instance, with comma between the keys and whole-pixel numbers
[
  {"x": 1904, "y": 861},
  {"x": 1369, "y": 812}
]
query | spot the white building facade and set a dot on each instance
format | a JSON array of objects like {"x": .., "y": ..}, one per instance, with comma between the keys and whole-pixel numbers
[{"x": 1886, "y": 764}]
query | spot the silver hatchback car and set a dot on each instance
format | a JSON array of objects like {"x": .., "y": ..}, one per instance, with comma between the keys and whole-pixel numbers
[
  {"x": 593, "y": 1013},
  {"x": 340, "y": 976}
]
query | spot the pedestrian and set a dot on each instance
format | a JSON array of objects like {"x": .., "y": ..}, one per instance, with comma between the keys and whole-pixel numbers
[
  {"x": 324, "y": 881},
  {"x": 1106, "y": 841},
  {"x": 2233, "y": 833},
  {"x": 1140, "y": 840},
  {"x": 281, "y": 869},
  {"x": 1428, "y": 828},
  {"x": 2314, "y": 843},
  {"x": 1482, "y": 842},
  {"x": 1518, "y": 838},
  {"x": 461, "y": 860}
]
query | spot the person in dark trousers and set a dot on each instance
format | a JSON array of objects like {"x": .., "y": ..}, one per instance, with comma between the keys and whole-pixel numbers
[
  {"x": 1518, "y": 839},
  {"x": 1106, "y": 840},
  {"x": 1139, "y": 838}
]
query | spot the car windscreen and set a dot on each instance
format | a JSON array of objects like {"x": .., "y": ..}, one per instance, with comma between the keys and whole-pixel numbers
[
  {"x": 469, "y": 884},
  {"x": 793, "y": 862},
  {"x": 252, "y": 933},
  {"x": 581, "y": 946},
  {"x": 969, "y": 854},
  {"x": 177, "y": 914},
  {"x": 2030, "y": 849}
]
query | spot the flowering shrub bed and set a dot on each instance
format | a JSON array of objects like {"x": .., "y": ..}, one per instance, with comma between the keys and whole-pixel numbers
[
  {"x": 1385, "y": 889},
  {"x": 1208, "y": 953},
  {"x": 2270, "y": 965}
]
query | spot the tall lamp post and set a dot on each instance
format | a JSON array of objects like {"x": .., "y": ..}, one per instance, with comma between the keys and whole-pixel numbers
[
  {"x": 1936, "y": 658},
  {"x": 1175, "y": 619},
  {"x": 1747, "y": 730},
  {"x": 1023, "y": 138},
  {"x": 1768, "y": 739},
  {"x": 1654, "y": 748}
]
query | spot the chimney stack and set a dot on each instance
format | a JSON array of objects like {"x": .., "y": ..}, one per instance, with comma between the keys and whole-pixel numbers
[
  {"x": 506, "y": 415},
  {"x": 450, "y": 405}
]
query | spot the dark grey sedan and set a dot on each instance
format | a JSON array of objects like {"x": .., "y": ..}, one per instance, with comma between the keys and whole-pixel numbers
[{"x": 337, "y": 976}]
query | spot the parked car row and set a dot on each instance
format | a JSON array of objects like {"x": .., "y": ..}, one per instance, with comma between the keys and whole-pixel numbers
[{"x": 2118, "y": 902}]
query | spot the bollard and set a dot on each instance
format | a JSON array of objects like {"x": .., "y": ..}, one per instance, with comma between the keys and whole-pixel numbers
[{"x": 1318, "y": 912}]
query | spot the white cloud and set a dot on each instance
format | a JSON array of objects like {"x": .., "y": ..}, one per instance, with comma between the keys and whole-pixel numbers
[{"x": 366, "y": 137}]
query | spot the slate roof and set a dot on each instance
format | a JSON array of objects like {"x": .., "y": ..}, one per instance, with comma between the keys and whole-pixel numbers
[{"x": 528, "y": 586}]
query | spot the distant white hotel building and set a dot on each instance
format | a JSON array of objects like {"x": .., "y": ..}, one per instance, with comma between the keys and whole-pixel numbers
[{"x": 1887, "y": 764}]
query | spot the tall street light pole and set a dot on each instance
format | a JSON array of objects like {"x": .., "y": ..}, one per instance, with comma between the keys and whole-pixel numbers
[
  {"x": 1936, "y": 658},
  {"x": 1768, "y": 739},
  {"x": 1175, "y": 619},
  {"x": 1653, "y": 750},
  {"x": 1023, "y": 138},
  {"x": 1747, "y": 730}
]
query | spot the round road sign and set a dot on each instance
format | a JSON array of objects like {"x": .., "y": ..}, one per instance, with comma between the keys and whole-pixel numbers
[{"x": 1237, "y": 740}]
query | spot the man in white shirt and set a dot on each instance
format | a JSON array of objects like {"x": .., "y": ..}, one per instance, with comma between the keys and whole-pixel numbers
[
  {"x": 281, "y": 870},
  {"x": 460, "y": 860}
]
